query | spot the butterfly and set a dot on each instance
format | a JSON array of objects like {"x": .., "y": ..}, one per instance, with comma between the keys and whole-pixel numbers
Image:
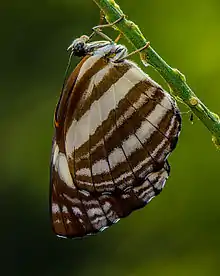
[{"x": 114, "y": 130}]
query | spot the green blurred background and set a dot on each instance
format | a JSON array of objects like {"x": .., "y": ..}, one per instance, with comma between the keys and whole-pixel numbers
[{"x": 178, "y": 233}]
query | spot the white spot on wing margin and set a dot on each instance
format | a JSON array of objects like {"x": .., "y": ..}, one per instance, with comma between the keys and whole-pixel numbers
[{"x": 61, "y": 166}]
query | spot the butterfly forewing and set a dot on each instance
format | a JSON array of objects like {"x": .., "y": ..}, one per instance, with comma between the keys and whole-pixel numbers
[{"x": 115, "y": 129}]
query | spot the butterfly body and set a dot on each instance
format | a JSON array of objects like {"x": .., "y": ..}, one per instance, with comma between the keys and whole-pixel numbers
[{"x": 114, "y": 129}]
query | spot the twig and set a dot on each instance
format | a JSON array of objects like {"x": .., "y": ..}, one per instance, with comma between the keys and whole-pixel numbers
[{"x": 173, "y": 77}]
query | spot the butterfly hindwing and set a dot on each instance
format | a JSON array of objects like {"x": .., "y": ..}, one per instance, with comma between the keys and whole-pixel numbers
[{"x": 115, "y": 129}]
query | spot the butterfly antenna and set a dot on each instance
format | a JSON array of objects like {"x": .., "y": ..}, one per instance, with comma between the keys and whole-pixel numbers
[{"x": 67, "y": 69}]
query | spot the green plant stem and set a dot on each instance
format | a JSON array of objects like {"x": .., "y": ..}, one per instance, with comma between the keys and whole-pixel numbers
[{"x": 173, "y": 77}]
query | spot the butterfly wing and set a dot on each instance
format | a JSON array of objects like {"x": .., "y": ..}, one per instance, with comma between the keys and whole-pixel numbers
[{"x": 115, "y": 132}]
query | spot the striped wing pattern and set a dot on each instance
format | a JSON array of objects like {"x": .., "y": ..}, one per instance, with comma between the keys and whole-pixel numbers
[{"x": 117, "y": 128}]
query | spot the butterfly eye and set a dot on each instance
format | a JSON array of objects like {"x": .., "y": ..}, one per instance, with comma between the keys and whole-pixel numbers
[
  {"x": 78, "y": 46},
  {"x": 79, "y": 49}
]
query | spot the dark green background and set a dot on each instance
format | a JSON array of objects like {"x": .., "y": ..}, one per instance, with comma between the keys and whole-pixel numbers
[{"x": 178, "y": 233}]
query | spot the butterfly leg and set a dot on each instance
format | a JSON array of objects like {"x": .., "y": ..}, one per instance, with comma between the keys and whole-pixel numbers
[
  {"x": 138, "y": 50},
  {"x": 98, "y": 29},
  {"x": 118, "y": 37}
]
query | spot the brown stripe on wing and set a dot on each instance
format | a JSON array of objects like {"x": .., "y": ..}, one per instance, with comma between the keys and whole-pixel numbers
[
  {"x": 112, "y": 203},
  {"x": 95, "y": 94},
  {"x": 121, "y": 169},
  {"x": 141, "y": 154},
  {"x": 75, "y": 213},
  {"x": 84, "y": 175},
  {"x": 126, "y": 128},
  {"x": 81, "y": 87},
  {"x": 83, "y": 183},
  {"x": 104, "y": 182},
  {"x": 150, "y": 86},
  {"x": 146, "y": 160},
  {"x": 152, "y": 184},
  {"x": 64, "y": 221},
  {"x": 70, "y": 208},
  {"x": 126, "y": 194},
  {"x": 94, "y": 210},
  {"x": 146, "y": 88},
  {"x": 61, "y": 108},
  {"x": 146, "y": 149},
  {"x": 155, "y": 180},
  {"x": 167, "y": 130},
  {"x": 120, "y": 205},
  {"x": 89, "y": 191},
  {"x": 58, "y": 224},
  {"x": 90, "y": 200},
  {"x": 108, "y": 126},
  {"x": 130, "y": 176},
  {"x": 154, "y": 151},
  {"x": 169, "y": 126},
  {"x": 117, "y": 202},
  {"x": 67, "y": 212},
  {"x": 173, "y": 130},
  {"x": 66, "y": 92},
  {"x": 97, "y": 90}
]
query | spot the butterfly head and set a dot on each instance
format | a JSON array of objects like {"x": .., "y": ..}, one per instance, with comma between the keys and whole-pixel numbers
[{"x": 78, "y": 46}]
